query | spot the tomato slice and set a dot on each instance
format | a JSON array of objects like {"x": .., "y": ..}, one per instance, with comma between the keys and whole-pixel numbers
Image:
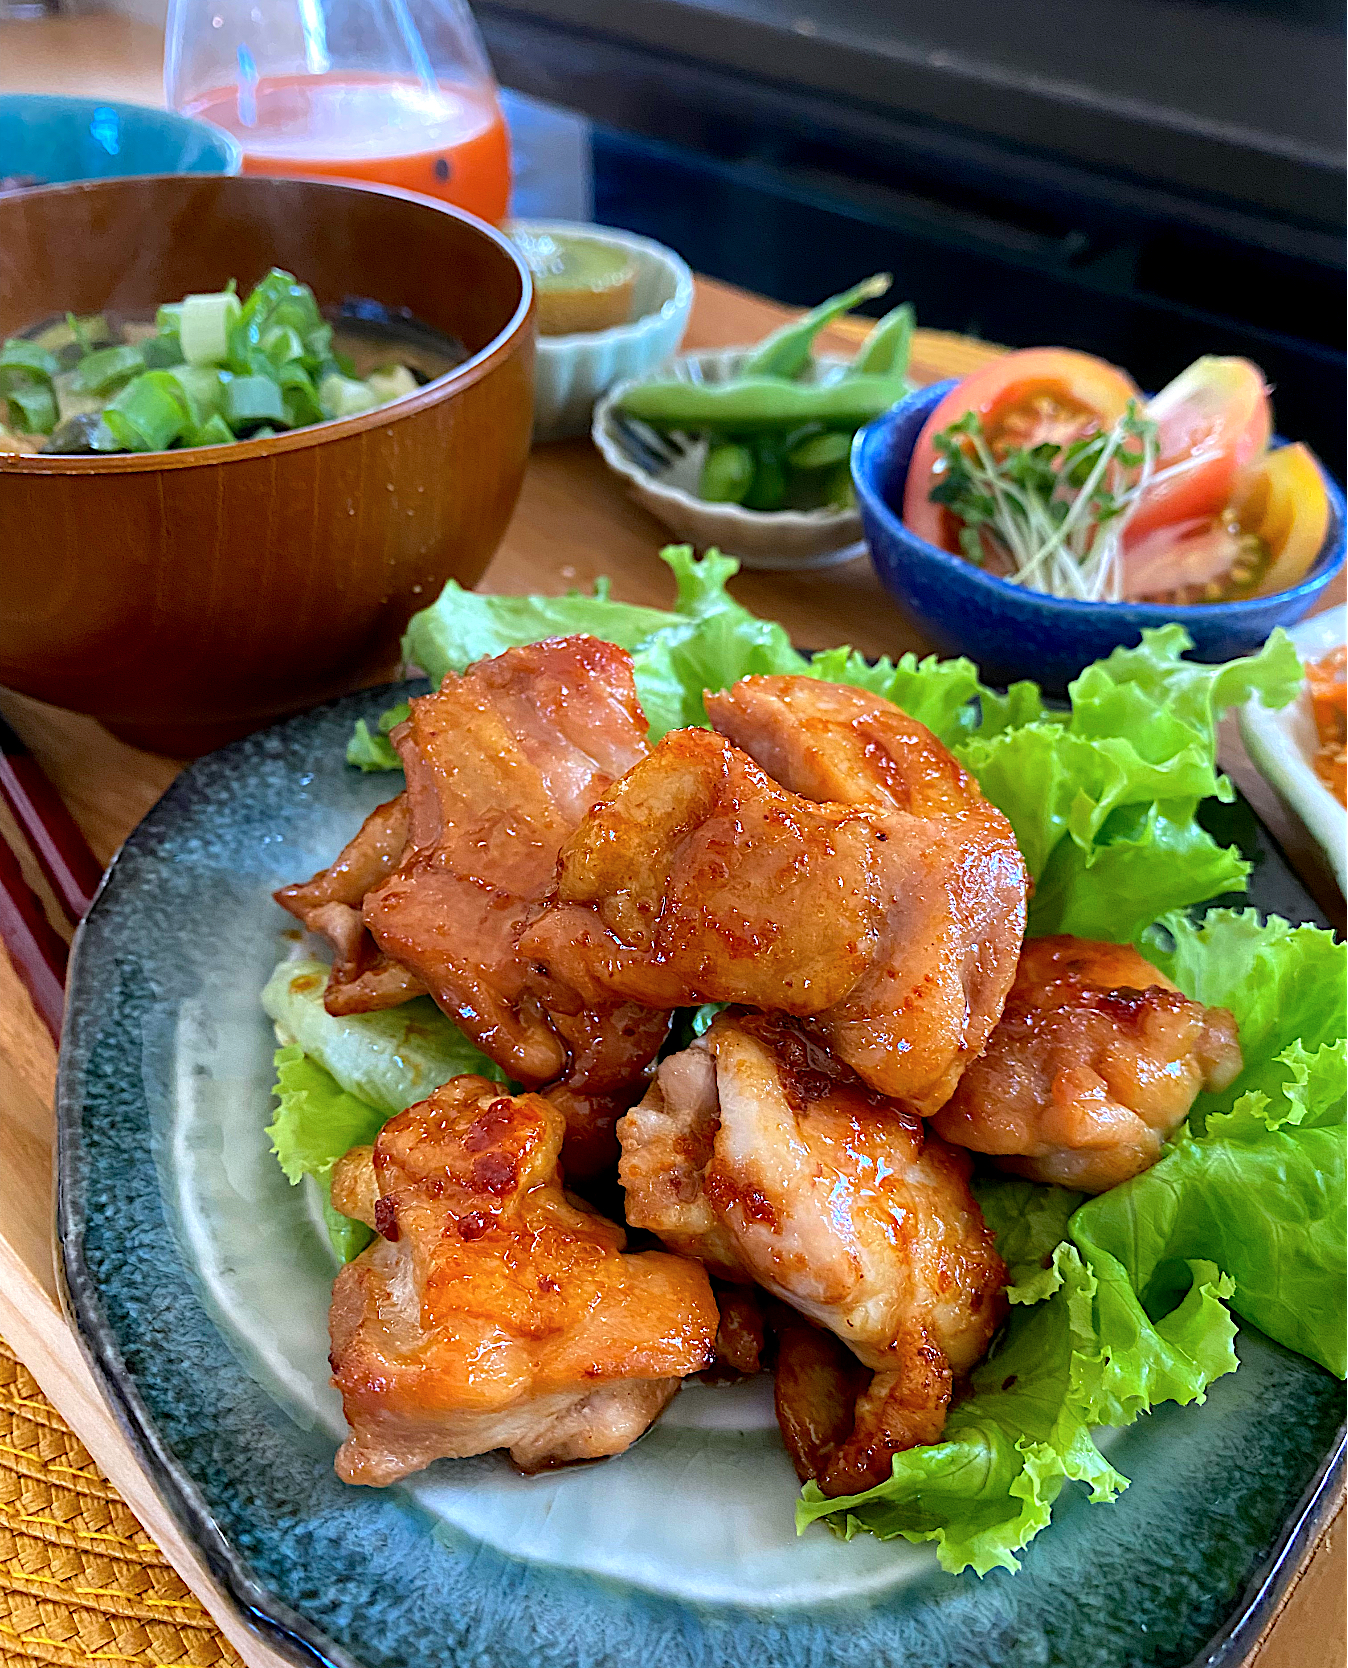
[
  {"x": 1217, "y": 415},
  {"x": 1287, "y": 506},
  {"x": 1023, "y": 398}
]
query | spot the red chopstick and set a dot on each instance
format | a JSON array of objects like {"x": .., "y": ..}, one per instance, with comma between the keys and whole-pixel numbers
[
  {"x": 35, "y": 947},
  {"x": 71, "y": 869}
]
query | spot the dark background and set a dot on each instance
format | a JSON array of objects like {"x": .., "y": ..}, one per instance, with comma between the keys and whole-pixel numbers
[{"x": 1146, "y": 179}]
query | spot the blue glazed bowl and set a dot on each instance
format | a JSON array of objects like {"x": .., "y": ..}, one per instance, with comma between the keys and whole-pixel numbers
[
  {"x": 1015, "y": 633},
  {"x": 61, "y": 139}
]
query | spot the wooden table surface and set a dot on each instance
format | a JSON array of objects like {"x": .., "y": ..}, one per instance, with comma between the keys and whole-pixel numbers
[{"x": 573, "y": 524}]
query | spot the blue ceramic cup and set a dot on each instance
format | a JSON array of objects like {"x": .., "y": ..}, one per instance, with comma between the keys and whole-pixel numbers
[
  {"x": 54, "y": 140},
  {"x": 1016, "y": 633}
]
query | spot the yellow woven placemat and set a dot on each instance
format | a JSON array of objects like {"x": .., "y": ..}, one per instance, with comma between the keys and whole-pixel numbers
[{"x": 80, "y": 1580}]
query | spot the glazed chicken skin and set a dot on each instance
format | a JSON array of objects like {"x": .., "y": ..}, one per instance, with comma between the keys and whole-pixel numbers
[
  {"x": 493, "y": 1311},
  {"x": 875, "y": 894},
  {"x": 843, "y": 1425},
  {"x": 768, "y": 1160},
  {"x": 502, "y": 764},
  {"x": 1095, "y": 1062},
  {"x": 953, "y": 935},
  {"x": 362, "y": 978}
]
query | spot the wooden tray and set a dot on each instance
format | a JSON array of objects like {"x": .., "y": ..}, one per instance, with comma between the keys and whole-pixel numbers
[{"x": 572, "y": 525}]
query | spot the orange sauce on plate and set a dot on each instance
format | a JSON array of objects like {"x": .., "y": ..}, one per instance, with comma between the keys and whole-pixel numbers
[{"x": 1325, "y": 679}]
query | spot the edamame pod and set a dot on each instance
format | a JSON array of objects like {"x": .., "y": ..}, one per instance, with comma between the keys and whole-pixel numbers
[
  {"x": 888, "y": 348},
  {"x": 787, "y": 351},
  {"x": 820, "y": 451},
  {"x": 727, "y": 473},
  {"x": 768, "y": 489},
  {"x": 754, "y": 404}
]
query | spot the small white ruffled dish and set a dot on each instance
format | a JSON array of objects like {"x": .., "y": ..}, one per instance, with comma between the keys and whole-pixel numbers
[
  {"x": 663, "y": 471},
  {"x": 571, "y": 372},
  {"x": 1283, "y": 745}
]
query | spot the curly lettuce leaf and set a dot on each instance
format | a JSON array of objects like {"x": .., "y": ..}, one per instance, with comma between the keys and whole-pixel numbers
[
  {"x": 462, "y": 626},
  {"x": 945, "y": 695},
  {"x": 371, "y": 749},
  {"x": 1256, "y": 1181},
  {"x": 710, "y": 642},
  {"x": 316, "y": 1122},
  {"x": 390, "y": 1059},
  {"x": 988, "y": 1487},
  {"x": 1121, "y": 1302},
  {"x": 1283, "y": 984},
  {"x": 1103, "y": 804}
]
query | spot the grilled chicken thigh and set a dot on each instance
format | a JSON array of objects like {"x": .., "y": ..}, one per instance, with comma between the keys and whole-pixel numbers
[
  {"x": 493, "y": 1311},
  {"x": 1097, "y": 1058},
  {"x": 853, "y": 876},
  {"x": 769, "y": 1160},
  {"x": 502, "y": 764},
  {"x": 954, "y": 929},
  {"x": 362, "y": 978}
]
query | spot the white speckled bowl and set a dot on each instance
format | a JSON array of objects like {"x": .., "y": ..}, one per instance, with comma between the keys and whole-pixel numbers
[
  {"x": 667, "y": 485},
  {"x": 571, "y": 372},
  {"x": 1283, "y": 745}
]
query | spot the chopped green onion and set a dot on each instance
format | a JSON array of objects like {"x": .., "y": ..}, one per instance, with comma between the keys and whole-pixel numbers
[
  {"x": 24, "y": 361},
  {"x": 204, "y": 388},
  {"x": 299, "y": 395},
  {"x": 161, "y": 351},
  {"x": 168, "y": 319},
  {"x": 253, "y": 399},
  {"x": 90, "y": 332},
  {"x": 281, "y": 344},
  {"x": 215, "y": 431},
  {"x": 149, "y": 414},
  {"x": 318, "y": 343},
  {"x": 343, "y": 396},
  {"x": 391, "y": 382},
  {"x": 33, "y": 408},
  {"x": 204, "y": 326},
  {"x": 107, "y": 368}
]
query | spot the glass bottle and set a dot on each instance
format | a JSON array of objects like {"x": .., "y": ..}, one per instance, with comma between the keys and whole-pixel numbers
[{"x": 398, "y": 92}]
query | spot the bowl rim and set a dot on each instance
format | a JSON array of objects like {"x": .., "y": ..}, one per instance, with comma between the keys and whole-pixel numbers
[
  {"x": 618, "y": 461},
  {"x": 680, "y": 302},
  {"x": 1325, "y": 566},
  {"x": 471, "y": 371}
]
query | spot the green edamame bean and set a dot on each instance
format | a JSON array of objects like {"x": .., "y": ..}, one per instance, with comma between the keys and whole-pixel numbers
[
  {"x": 757, "y": 404},
  {"x": 786, "y": 352},
  {"x": 768, "y": 491},
  {"x": 727, "y": 473},
  {"x": 838, "y": 490},
  {"x": 821, "y": 451},
  {"x": 888, "y": 348}
]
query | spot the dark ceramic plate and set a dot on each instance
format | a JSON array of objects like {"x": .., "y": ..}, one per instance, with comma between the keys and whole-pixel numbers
[{"x": 198, "y": 1281}]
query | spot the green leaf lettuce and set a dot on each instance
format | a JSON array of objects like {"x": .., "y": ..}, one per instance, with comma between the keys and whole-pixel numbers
[
  {"x": 340, "y": 1079},
  {"x": 1246, "y": 1206}
]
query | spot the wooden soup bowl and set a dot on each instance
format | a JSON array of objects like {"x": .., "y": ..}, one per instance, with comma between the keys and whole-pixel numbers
[{"x": 187, "y": 597}]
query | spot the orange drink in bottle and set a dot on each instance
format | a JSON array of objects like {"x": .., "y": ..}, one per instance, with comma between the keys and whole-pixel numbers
[{"x": 446, "y": 141}]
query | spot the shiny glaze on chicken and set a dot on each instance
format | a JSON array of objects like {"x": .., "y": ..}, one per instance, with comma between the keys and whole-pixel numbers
[
  {"x": 363, "y": 978},
  {"x": 841, "y": 1424},
  {"x": 890, "y": 916},
  {"x": 955, "y": 918},
  {"x": 767, "y": 1159},
  {"x": 494, "y": 1311},
  {"x": 1096, "y": 1060},
  {"x": 502, "y": 764}
]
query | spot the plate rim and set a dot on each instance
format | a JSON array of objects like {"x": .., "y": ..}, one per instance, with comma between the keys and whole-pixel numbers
[
  {"x": 277, "y": 1624},
  {"x": 1274, "y": 753}
]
